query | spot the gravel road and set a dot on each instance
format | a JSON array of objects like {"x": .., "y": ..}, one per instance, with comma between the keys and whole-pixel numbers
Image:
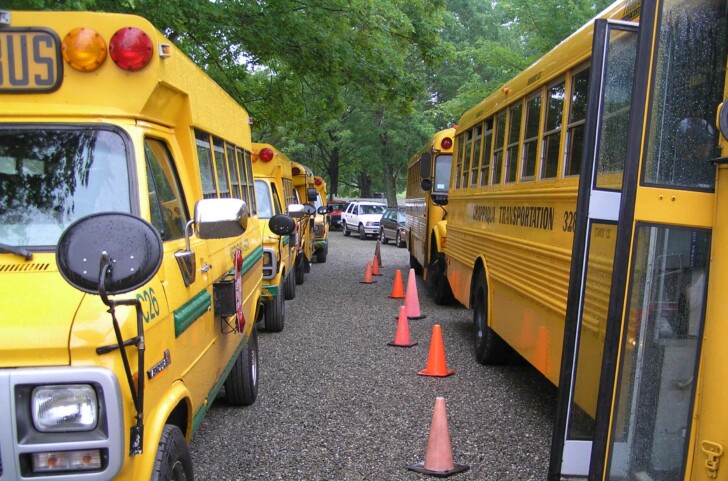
[{"x": 337, "y": 403}]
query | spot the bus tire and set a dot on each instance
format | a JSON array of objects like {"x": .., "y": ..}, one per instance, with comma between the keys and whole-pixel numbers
[
  {"x": 437, "y": 281},
  {"x": 241, "y": 385},
  {"x": 300, "y": 270},
  {"x": 362, "y": 232},
  {"x": 321, "y": 254},
  {"x": 173, "y": 460},
  {"x": 344, "y": 229},
  {"x": 275, "y": 311},
  {"x": 489, "y": 347},
  {"x": 290, "y": 289},
  {"x": 414, "y": 264}
]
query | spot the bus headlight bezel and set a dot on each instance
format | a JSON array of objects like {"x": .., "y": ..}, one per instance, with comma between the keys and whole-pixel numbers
[{"x": 64, "y": 408}]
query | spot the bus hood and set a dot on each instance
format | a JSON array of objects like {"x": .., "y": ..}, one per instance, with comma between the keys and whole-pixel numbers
[{"x": 37, "y": 309}]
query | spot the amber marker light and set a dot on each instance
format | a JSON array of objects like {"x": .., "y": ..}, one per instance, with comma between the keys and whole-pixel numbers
[
  {"x": 83, "y": 49},
  {"x": 131, "y": 49}
]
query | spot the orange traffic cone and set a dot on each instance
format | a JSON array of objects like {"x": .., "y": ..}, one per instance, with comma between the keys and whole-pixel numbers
[
  {"x": 411, "y": 299},
  {"x": 436, "y": 362},
  {"x": 438, "y": 457},
  {"x": 397, "y": 290},
  {"x": 375, "y": 267},
  {"x": 402, "y": 336},
  {"x": 368, "y": 275},
  {"x": 378, "y": 253}
]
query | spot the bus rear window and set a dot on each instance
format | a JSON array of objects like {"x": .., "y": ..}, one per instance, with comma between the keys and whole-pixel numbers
[{"x": 51, "y": 177}]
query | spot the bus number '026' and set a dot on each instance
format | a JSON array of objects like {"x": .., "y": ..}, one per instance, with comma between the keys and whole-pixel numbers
[
  {"x": 150, "y": 304},
  {"x": 569, "y": 221}
]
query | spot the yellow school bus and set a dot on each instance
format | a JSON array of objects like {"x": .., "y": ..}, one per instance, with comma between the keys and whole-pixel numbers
[
  {"x": 304, "y": 191},
  {"x": 274, "y": 193},
  {"x": 428, "y": 181},
  {"x": 110, "y": 135},
  {"x": 585, "y": 231},
  {"x": 321, "y": 223}
]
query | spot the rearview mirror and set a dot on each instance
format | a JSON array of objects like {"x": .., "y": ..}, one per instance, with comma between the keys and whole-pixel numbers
[
  {"x": 132, "y": 245},
  {"x": 309, "y": 209},
  {"x": 296, "y": 211},
  {"x": 312, "y": 194},
  {"x": 282, "y": 224},
  {"x": 323, "y": 210},
  {"x": 426, "y": 185},
  {"x": 220, "y": 218},
  {"x": 426, "y": 165}
]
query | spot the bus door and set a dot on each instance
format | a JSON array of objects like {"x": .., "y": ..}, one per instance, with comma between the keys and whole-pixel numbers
[{"x": 637, "y": 294}]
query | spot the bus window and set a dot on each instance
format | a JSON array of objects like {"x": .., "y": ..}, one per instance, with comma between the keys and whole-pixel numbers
[
  {"x": 530, "y": 141},
  {"x": 252, "y": 207},
  {"x": 689, "y": 79},
  {"x": 500, "y": 137},
  {"x": 443, "y": 166},
  {"x": 487, "y": 144},
  {"x": 514, "y": 134},
  {"x": 474, "y": 167},
  {"x": 276, "y": 200},
  {"x": 204, "y": 158},
  {"x": 552, "y": 131},
  {"x": 467, "y": 155},
  {"x": 263, "y": 195},
  {"x": 577, "y": 119},
  {"x": 234, "y": 172},
  {"x": 223, "y": 181},
  {"x": 168, "y": 211},
  {"x": 50, "y": 177},
  {"x": 240, "y": 162}
]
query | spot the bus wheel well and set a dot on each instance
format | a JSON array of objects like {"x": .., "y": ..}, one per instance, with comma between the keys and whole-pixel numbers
[
  {"x": 179, "y": 417},
  {"x": 478, "y": 271}
]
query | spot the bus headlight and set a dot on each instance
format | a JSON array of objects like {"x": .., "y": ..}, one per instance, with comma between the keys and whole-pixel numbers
[{"x": 68, "y": 407}]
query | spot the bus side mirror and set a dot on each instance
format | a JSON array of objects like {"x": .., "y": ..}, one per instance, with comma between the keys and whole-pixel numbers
[
  {"x": 723, "y": 118},
  {"x": 426, "y": 166},
  {"x": 312, "y": 194},
  {"x": 221, "y": 218},
  {"x": 323, "y": 210},
  {"x": 426, "y": 185},
  {"x": 296, "y": 211},
  {"x": 309, "y": 209},
  {"x": 132, "y": 245},
  {"x": 282, "y": 224}
]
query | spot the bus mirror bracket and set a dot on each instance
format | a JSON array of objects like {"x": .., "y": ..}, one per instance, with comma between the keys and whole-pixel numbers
[{"x": 439, "y": 199}]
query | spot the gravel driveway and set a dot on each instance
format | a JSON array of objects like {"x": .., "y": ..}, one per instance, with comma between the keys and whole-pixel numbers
[{"x": 337, "y": 403}]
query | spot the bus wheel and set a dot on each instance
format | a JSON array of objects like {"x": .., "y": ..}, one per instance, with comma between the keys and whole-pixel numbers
[
  {"x": 321, "y": 254},
  {"x": 414, "y": 264},
  {"x": 172, "y": 461},
  {"x": 290, "y": 286},
  {"x": 383, "y": 237},
  {"x": 344, "y": 229},
  {"x": 275, "y": 311},
  {"x": 300, "y": 270},
  {"x": 437, "y": 281},
  {"x": 241, "y": 385},
  {"x": 489, "y": 347}
]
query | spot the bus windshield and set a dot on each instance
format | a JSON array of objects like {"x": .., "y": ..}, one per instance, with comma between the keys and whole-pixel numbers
[
  {"x": 50, "y": 177},
  {"x": 442, "y": 173},
  {"x": 262, "y": 195}
]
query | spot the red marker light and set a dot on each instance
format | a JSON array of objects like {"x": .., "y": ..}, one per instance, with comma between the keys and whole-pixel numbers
[
  {"x": 318, "y": 181},
  {"x": 446, "y": 143},
  {"x": 296, "y": 171},
  {"x": 131, "y": 49},
  {"x": 265, "y": 154}
]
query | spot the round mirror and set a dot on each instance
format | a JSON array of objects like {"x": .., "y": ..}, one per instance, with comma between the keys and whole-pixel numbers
[
  {"x": 426, "y": 185},
  {"x": 133, "y": 245},
  {"x": 282, "y": 224},
  {"x": 322, "y": 210},
  {"x": 723, "y": 118},
  {"x": 309, "y": 209}
]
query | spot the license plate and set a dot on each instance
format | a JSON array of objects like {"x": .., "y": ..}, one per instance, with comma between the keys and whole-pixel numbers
[{"x": 30, "y": 60}]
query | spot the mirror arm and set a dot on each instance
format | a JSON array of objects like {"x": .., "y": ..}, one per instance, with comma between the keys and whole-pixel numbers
[
  {"x": 188, "y": 229},
  {"x": 137, "y": 392}
]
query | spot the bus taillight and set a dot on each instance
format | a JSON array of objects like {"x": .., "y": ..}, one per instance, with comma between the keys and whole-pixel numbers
[
  {"x": 84, "y": 49},
  {"x": 131, "y": 49}
]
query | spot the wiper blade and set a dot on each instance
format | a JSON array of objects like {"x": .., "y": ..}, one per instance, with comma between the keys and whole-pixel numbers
[{"x": 17, "y": 251}]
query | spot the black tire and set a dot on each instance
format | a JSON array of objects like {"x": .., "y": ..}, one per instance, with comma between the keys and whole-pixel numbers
[
  {"x": 241, "y": 385},
  {"x": 383, "y": 236},
  {"x": 362, "y": 233},
  {"x": 290, "y": 292},
  {"x": 321, "y": 254},
  {"x": 275, "y": 311},
  {"x": 345, "y": 230},
  {"x": 437, "y": 282},
  {"x": 398, "y": 240},
  {"x": 415, "y": 265},
  {"x": 489, "y": 347},
  {"x": 172, "y": 461},
  {"x": 300, "y": 270}
]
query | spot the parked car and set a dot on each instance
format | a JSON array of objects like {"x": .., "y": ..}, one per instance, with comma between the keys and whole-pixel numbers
[
  {"x": 391, "y": 226},
  {"x": 362, "y": 217},
  {"x": 336, "y": 208}
]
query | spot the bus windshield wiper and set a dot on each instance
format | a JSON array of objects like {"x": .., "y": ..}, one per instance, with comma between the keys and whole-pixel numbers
[{"x": 17, "y": 250}]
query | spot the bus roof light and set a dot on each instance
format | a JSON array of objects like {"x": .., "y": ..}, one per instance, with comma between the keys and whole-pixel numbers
[
  {"x": 131, "y": 49},
  {"x": 446, "y": 143},
  {"x": 265, "y": 154},
  {"x": 83, "y": 49},
  {"x": 318, "y": 181}
]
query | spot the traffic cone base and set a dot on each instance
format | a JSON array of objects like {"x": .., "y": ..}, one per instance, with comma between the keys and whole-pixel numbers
[
  {"x": 402, "y": 337},
  {"x": 397, "y": 289},
  {"x": 436, "y": 363},
  {"x": 438, "y": 457},
  {"x": 368, "y": 275}
]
